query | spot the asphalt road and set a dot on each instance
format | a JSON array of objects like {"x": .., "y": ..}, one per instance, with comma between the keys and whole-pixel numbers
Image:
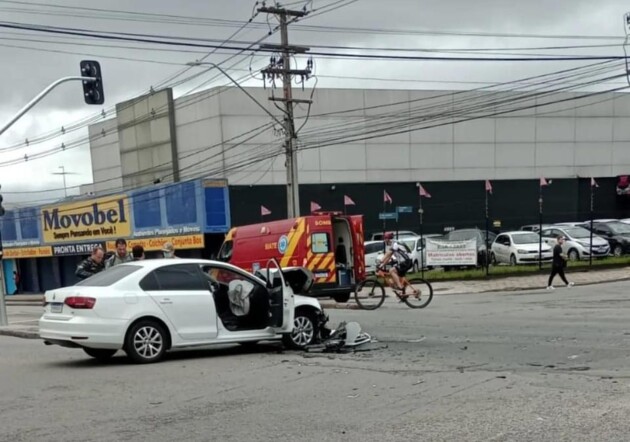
[{"x": 543, "y": 366}]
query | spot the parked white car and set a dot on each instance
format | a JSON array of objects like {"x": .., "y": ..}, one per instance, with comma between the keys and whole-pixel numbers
[
  {"x": 401, "y": 234},
  {"x": 577, "y": 242},
  {"x": 519, "y": 247},
  {"x": 418, "y": 251},
  {"x": 372, "y": 250},
  {"x": 149, "y": 307}
]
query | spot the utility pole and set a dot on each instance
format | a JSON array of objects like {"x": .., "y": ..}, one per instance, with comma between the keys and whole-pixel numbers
[
  {"x": 63, "y": 173},
  {"x": 281, "y": 68}
]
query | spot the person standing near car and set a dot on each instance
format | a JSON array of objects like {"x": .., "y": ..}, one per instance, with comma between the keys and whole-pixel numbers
[
  {"x": 138, "y": 253},
  {"x": 169, "y": 251},
  {"x": 92, "y": 265},
  {"x": 558, "y": 265},
  {"x": 121, "y": 256}
]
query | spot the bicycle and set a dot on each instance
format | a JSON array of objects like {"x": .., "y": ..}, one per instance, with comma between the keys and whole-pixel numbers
[{"x": 370, "y": 293}]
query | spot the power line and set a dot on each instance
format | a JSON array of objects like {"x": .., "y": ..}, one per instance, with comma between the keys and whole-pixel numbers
[
  {"x": 165, "y": 40},
  {"x": 201, "y": 21}
]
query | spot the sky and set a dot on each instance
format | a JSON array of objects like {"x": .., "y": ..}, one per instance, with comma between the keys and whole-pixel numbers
[{"x": 32, "y": 60}]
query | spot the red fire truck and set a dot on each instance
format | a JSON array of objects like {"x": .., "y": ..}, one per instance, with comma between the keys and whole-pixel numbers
[{"x": 329, "y": 244}]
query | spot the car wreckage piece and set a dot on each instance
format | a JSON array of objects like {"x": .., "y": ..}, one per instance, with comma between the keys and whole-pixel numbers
[{"x": 346, "y": 337}]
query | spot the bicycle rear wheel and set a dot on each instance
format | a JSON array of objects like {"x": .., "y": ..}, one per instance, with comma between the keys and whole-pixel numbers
[
  {"x": 425, "y": 293},
  {"x": 370, "y": 294}
]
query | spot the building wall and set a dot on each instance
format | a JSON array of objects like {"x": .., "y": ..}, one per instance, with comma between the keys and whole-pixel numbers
[
  {"x": 147, "y": 139},
  {"x": 558, "y": 140},
  {"x": 457, "y": 204},
  {"x": 105, "y": 155}
]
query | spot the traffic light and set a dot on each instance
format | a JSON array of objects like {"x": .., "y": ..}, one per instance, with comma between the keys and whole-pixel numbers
[{"x": 92, "y": 90}]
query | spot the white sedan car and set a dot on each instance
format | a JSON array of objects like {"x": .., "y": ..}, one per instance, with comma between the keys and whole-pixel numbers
[
  {"x": 149, "y": 307},
  {"x": 518, "y": 248}
]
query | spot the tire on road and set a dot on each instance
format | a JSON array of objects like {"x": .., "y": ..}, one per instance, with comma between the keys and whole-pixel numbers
[
  {"x": 342, "y": 298},
  {"x": 574, "y": 255},
  {"x": 305, "y": 330},
  {"x": 146, "y": 341}
]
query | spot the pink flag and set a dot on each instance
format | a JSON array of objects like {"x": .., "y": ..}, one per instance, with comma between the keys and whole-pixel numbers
[
  {"x": 489, "y": 186},
  {"x": 315, "y": 207},
  {"x": 386, "y": 197},
  {"x": 347, "y": 201},
  {"x": 264, "y": 211},
  {"x": 543, "y": 182},
  {"x": 594, "y": 183},
  {"x": 424, "y": 193}
]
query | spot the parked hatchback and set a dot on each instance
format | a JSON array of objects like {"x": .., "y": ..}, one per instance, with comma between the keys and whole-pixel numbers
[
  {"x": 372, "y": 250},
  {"x": 519, "y": 248},
  {"x": 418, "y": 249},
  {"x": 616, "y": 233},
  {"x": 577, "y": 242},
  {"x": 476, "y": 234}
]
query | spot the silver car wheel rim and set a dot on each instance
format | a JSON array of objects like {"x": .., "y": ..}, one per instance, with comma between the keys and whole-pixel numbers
[
  {"x": 148, "y": 342},
  {"x": 303, "y": 331}
]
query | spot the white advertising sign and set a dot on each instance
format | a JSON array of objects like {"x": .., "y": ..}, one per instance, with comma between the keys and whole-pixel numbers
[{"x": 451, "y": 253}]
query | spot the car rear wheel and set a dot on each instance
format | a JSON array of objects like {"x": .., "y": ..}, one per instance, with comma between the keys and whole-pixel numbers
[
  {"x": 146, "y": 342},
  {"x": 618, "y": 251},
  {"x": 342, "y": 298},
  {"x": 100, "y": 354},
  {"x": 304, "y": 331}
]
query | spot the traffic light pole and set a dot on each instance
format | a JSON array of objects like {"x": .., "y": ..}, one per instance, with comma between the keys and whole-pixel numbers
[
  {"x": 39, "y": 97},
  {"x": 3, "y": 307}
]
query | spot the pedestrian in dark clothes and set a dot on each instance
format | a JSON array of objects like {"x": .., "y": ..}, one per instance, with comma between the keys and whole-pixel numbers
[{"x": 558, "y": 265}]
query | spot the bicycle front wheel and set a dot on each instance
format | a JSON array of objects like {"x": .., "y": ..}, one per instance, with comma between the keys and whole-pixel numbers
[
  {"x": 370, "y": 294},
  {"x": 424, "y": 292}
]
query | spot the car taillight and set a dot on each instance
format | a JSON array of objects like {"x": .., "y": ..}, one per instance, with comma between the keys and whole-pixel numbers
[{"x": 80, "y": 302}]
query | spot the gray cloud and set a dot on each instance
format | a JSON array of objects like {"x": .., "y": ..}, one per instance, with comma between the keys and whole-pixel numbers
[{"x": 29, "y": 71}]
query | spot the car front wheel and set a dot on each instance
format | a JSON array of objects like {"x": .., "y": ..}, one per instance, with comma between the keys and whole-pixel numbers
[
  {"x": 304, "y": 331},
  {"x": 146, "y": 342},
  {"x": 574, "y": 255}
]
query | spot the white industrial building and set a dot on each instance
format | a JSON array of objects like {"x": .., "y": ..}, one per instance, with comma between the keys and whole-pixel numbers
[{"x": 155, "y": 137}]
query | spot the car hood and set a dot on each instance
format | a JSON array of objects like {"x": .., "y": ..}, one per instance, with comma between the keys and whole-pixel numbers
[
  {"x": 597, "y": 241},
  {"x": 533, "y": 247}
]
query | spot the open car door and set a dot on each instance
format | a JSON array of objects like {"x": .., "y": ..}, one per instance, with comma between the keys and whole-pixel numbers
[
  {"x": 358, "y": 247},
  {"x": 281, "y": 298}
]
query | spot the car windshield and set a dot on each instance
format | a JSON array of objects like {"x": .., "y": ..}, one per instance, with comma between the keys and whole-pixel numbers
[
  {"x": 109, "y": 276},
  {"x": 463, "y": 235},
  {"x": 620, "y": 228},
  {"x": 577, "y": 232},
  {"x": 411, "y": 244},
  {"x": 525, "y": 238}
]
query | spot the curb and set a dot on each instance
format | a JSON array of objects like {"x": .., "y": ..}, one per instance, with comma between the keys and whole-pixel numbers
[
  {"x": 24, "y": 334},
  {"x": 521, "y": 289}
]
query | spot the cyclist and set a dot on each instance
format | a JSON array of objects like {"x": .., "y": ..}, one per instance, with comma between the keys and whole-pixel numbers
[{"x": 402, "y": 264}]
